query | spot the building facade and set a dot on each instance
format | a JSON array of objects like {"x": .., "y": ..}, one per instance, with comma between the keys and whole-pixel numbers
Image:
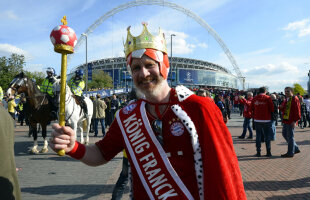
[{"x": 192, "y": 73}]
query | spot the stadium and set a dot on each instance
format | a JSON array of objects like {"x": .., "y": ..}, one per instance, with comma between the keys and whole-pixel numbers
[
  {"x": 189, "y": 72},
  {"x": 185, "y": 71}
]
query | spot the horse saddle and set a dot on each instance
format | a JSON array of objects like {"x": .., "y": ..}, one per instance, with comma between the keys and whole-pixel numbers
[{"x": 79, "y": 100}]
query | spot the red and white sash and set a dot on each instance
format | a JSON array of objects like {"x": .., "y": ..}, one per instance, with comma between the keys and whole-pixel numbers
[{"x": 148, "y": 157}]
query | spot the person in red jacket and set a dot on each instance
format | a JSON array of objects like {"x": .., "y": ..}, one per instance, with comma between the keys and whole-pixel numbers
[
  {"x": 247, "y": 114},
  {"x": 236, "y": 103},
  {"x": 262, "y": 107},
  {"x": 291, "y": 114}
]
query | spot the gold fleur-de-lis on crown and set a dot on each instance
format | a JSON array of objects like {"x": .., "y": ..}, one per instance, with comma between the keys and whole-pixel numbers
[{"x": 64, "y": 20}]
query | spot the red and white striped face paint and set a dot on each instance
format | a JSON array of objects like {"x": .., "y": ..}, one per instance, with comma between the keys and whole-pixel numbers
[{"x": 156, "y": 55}]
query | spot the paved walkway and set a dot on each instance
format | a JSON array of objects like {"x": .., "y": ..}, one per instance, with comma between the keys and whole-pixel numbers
[
  {"x": 275, "y": 177},
  {"x": 50, "y": 177}
]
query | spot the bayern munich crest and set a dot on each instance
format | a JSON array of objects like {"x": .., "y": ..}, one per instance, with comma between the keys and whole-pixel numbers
[
  {"x": 177, "y": 129},
  {"x": 129, "y": 108}
]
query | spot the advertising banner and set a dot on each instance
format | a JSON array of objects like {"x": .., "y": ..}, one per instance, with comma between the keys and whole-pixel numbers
[
  {"x": 188, "y": 76},
  {"x": 116, "y": 75},
  {"x": 90, "y": 71}
]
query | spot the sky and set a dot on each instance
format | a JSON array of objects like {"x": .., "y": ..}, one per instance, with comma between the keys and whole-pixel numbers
[{"x": 269, "y": 40}]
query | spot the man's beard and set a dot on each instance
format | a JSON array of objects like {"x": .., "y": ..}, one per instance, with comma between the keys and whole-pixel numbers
[{"x": 153, "y": 91}]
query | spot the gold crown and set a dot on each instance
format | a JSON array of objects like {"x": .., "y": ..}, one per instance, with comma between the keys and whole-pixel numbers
[{"x": 145, "y": 40}]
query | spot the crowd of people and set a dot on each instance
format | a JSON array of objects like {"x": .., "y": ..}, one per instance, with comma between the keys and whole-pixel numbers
[
  {"x": 265, "y": 110},
  {"x": 105, "y": 109},
  {"x": 233, "y": 101}
]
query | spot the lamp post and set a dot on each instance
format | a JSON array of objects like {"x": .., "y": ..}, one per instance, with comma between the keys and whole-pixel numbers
[
  {"x": 243, "y": 83},
  {"x": 171, "y": 59},
  {"x": 85, "y": 35},
  {"x": 308, "y": 84},
  {"x": 113, "y": 73}
]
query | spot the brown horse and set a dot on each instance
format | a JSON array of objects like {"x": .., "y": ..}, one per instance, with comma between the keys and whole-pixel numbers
[{"x": 38, "y": 108}]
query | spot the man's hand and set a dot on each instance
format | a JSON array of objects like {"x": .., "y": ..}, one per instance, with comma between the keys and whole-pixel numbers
[{"x": 62, "y": 138}]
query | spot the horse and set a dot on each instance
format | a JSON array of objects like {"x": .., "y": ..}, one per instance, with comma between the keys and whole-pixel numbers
[
  {"x": 74, "y": 112},
  {"x": 38, "y": 108}
]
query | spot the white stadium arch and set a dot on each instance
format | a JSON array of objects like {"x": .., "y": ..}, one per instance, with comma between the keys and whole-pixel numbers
[{"x": 185, "y": 11}]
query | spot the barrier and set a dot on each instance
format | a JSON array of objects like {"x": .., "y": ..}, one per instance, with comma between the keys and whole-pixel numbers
[{"x": 107, "y": 92}]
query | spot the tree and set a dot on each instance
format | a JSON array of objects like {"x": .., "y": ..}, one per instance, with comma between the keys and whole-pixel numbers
[
  {"x": 16, "y": 63},
  {"x": 298, "y": 89},
  {"x": 38, "y": 76},
  {"x": 100, "y": 80},
  {"x": 10, "y": 67}
]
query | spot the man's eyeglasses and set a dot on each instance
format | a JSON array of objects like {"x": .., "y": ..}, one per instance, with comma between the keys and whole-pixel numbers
[{"x": 157, "y": 126}]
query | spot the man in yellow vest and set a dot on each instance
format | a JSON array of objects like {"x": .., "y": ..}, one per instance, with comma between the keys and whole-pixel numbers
[
  {"x": 1, "y": 97},
  {"x": 77, "y": 86},
  {"x": 47, "y": 88},
  {"x": 35, "y": 82},
  {"x": 20, "y": 110},
  {"x": 11, "y": 106},
  {"x": 1, "y": 93}
]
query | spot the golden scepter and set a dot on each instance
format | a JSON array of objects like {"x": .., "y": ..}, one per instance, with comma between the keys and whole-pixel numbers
[{"x": 64, "y": 39}]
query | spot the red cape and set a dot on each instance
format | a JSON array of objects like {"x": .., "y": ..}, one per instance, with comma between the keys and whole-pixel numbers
[{"x": 222, "y": 176}]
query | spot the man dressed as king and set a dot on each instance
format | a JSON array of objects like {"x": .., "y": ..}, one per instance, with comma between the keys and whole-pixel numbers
[{"x": 177, "y": 143}]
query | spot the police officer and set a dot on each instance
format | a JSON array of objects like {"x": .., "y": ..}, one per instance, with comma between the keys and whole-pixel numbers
[
  {"x": 1, "y": 93},
  {"x": 47, "y": 88},
  {"x": 77, "y": 86},
  {"x": 35, "y": 82},
  {"x": 21, "y": 111}
]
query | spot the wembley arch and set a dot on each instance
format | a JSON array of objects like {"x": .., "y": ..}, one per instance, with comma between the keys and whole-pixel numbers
[{"x": 174, "y": 6}]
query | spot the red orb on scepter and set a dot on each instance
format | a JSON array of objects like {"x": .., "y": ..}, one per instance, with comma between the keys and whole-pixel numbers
[{"x": 63, "y": 38}]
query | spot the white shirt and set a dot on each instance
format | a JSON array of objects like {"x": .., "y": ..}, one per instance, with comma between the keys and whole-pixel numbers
[{"x": 307, "y": 102}]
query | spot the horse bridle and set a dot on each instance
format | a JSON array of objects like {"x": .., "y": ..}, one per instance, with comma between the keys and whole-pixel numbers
[
  {"x": 67, "y": 100},
  {"x": 19, "y": 83}
]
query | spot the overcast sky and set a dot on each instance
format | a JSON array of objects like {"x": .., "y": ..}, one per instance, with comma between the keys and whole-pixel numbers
[{"x": 269, "y": 39}]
